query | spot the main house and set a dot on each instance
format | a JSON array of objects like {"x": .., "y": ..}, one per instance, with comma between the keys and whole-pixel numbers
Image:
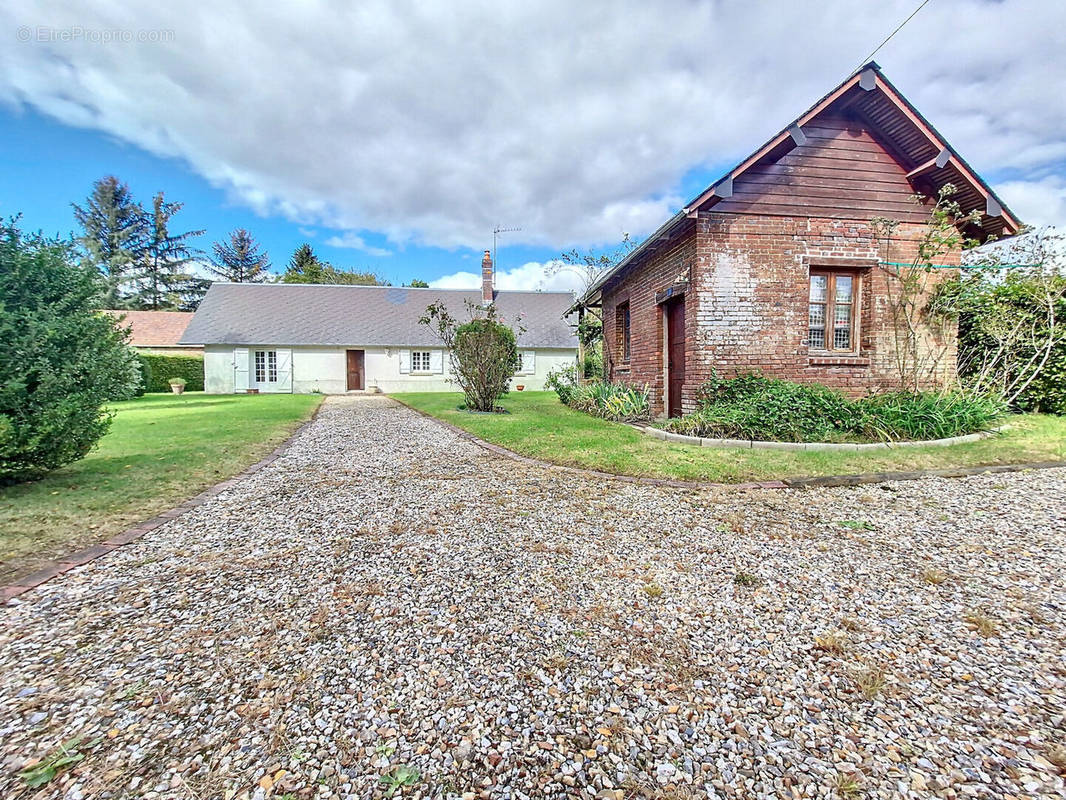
[
  {"x": 281, "y": 337},
  {"x": 777, "y": 269}
]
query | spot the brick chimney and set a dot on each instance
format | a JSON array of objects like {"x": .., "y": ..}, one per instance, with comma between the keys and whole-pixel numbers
[{"x": 486, "y": 278}]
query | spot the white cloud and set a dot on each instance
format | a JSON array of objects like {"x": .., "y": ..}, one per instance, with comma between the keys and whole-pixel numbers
[
  {"x": 353, "y": 241},
  {"x": 551, "y": 276},
  {"x": 431, "y": 123},
  {"x": 1037, "y": 202}
]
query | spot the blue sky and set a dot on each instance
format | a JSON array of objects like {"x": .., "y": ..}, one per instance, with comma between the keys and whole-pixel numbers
[
  {"x": 48, "y": 165},
  {"x": 406, "y": 133}
]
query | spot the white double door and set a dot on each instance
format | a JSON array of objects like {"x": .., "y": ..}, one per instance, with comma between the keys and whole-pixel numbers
[{"x": 267, "y": 369}]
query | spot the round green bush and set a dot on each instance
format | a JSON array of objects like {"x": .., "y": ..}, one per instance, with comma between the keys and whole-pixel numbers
[
  {"x": 486, "y": 358},
  {"x": 62, "y": 359}
]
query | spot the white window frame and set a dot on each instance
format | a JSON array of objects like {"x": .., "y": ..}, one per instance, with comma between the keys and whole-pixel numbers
[
  {"x": 829, "y": 323},
  {"x": 421, "y": 362},
  {"x": 527, "y": 364},
  {"x": 265, "y": 366}
]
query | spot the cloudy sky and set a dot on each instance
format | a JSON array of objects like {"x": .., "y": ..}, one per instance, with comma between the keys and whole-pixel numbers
[{"x": 395, "y": 136}]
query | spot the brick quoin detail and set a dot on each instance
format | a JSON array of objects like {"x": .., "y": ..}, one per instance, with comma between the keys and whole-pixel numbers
[{"x": 746, "y": 283}]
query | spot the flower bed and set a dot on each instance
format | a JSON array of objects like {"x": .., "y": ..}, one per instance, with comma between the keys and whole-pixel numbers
[
  {"x": 756, "y": 409},
  {"x": 614, "y": 401}
]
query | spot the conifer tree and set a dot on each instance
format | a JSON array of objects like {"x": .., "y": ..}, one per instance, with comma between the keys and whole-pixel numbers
[
  {"x": 113, "y": 236},
  {"x": 161, "y": 277},
  {"x": 238, "y": 259}
]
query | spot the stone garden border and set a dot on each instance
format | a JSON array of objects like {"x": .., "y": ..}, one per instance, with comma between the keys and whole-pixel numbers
[
  {"x": 853, "y": 479},
  {"x": 752, "y": 444}
]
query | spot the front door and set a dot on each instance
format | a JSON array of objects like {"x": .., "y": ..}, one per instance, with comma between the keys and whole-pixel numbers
[
  {"x": 355, "y": 370},
  {"x": 675, "y": 355}
]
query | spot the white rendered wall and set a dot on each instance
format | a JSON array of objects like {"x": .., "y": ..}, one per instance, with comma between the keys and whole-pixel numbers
[{"x": 324, "y": 369}]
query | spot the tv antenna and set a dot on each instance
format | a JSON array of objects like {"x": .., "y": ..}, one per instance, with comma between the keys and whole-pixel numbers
[{"x": 495, "y": 233}]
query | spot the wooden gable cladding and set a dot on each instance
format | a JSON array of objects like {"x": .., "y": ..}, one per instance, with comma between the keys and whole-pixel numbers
[{"x": 840, "y": 171}]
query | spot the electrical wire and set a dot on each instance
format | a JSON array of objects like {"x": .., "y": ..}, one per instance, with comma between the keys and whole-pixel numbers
[{"x": 889, "y": 37}]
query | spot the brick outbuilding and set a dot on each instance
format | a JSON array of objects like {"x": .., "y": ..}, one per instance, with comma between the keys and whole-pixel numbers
[{"x": 776, "y": 268}]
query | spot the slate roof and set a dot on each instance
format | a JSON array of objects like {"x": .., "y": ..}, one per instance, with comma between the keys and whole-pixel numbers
[
  {"x": 312, "y": 314},
  {"x": 154, "y": 328}
]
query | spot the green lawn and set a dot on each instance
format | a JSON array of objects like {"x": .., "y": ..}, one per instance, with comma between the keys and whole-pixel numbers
[
  {"x": 161, "y": 449},
  {"x": 539, "y": 426}
]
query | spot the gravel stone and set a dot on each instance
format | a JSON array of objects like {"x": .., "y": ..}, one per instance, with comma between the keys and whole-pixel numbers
[{"x": 387, "y": 600}]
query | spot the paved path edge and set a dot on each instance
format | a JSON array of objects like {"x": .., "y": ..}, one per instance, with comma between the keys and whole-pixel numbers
[
  {"x": 50, "y": 569},
  {"x": 857, "y": 479}
]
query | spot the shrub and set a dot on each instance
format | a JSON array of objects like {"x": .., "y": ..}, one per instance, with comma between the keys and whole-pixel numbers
[
  {"x": 1047, "y": 392},
  {"x": 765, "y": 409},
  {"x": 753, "y": 407},
  {"x": 613, "y": 401},
  {"x": 161, "y": 368},
  {"x": 177, "y": 382},
  {"x": 484, "y": 352},
  {"x": 1012, "y": 336},
  {"x": 563, "y": 382},
  {"x": 62, "y": 359},
  {"x": 592, "y": 364},
  {"x": 930, "y": 415},
  {"x": 146, "y": 375},
  {"x": 129, "y": 380}
]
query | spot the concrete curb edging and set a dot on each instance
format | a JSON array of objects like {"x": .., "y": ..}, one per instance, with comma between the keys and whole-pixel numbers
[
  {"x": 858, "y": 479},
  {"x": 51, "y": 569},
  {"x": 749, "y": 444}
]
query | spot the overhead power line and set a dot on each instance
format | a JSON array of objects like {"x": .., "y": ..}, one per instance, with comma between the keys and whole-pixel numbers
[{"x": 889, "y": 37}]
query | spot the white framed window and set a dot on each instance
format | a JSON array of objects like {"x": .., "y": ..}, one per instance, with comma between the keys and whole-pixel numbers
[
  {"x": 832, "y": 314},
  {"x": 266, "y": 366},
  {"x": 528, "y": 364},
  {"x": 420, "y": 361}
]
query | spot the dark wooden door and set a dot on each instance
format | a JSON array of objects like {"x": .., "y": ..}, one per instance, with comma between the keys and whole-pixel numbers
[
  {"x": 675, "y": 355},
  {"x": 355, "y": 370}
]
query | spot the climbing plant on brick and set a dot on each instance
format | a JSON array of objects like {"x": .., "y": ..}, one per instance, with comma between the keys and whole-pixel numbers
[{"x": 922, "y": 338}]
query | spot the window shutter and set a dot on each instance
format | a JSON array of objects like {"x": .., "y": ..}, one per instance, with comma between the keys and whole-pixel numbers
[
  {"x": 405, "y": 362},
  {"x": 240, "y": 369},
  {"x": 529, "y": 362},
  {"x": 284, "y": 370},
  {"x": 436, "y": 361}
]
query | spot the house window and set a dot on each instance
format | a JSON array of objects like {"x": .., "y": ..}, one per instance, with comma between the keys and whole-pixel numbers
[
  {"x": 266, "y": 366},
  {"x": 420, "y": 361},
  {"x": 622, "y": 313},
  {"x": 832, "y": 322},
  {"x": 528, "y": 365}
]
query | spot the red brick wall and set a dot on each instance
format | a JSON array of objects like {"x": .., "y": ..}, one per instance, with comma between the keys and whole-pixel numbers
[
  {"x": 746, "y": 303},
  {"x": 645, "y": 367}
]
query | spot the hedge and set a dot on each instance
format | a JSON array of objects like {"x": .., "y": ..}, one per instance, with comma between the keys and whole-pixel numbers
[{"x": 162, "y": 368}]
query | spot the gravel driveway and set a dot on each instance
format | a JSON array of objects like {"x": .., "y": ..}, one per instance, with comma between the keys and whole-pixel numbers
[{"x": 388, "y": 607}]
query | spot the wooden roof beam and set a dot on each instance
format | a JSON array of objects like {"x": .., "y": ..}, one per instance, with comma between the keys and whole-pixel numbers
[{"x": 941, "y": 161}]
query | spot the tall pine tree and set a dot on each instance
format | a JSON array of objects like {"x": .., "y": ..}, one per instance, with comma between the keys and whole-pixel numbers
[
  {"x": 304, "y": 267},
  {"x": 238, "y": 259},
  {"x": 113, "y": 236},
  {"x": 161, "y": 277}
]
